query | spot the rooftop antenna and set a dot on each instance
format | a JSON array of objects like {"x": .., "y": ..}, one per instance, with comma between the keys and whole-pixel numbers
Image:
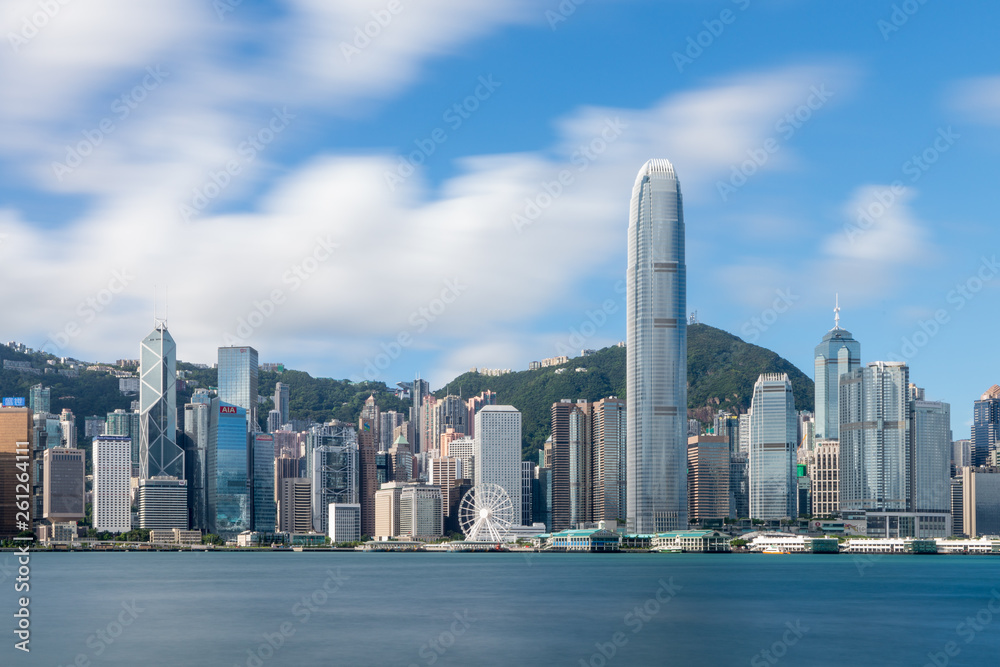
[
  {"x": 158, "y": 321},
  {"x": 836, "y": 313}
]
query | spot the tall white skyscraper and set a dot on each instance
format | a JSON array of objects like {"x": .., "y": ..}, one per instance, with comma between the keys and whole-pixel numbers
[
  {"x": 656, "y": 432},
  {"x": 159, "y": 453},
  {"x": 112, "y": 483},
  {"x": 836, "y": 355},
  {"x": 773, "y": 436},
  {"x": 238, "y": 373},
  {"x": 498, "y": 451}
]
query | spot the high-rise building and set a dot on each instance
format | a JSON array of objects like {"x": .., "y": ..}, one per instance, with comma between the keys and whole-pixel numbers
[
  {"x": 40, "y": 399},
  {"x": 824, "y": 471},
  {"x": 367, "y": 477},
  {"x": 656, "y": 366},
  {"x": 387, "y": 509},
  {"x": 527, "y": 479},
  {"x": 285, "y": 467},
  {"x": 708, "y": 477},
  {"x": 475, "y": 404},
  {"x": 836, "y": 355},
  {"x": 67, "y": 421},
  {"x": 980, "y": 488},
  {"x": 419, "y": 389},
  {"x": 295, "y": 505},
  {"x": 961, "y": 455},
  {"x": 159, "y": 453},
  {"x": 443, "y": 473},
  {"x": 334, "y": 476},
  {"x": 875, "y": 464},
  {"x": 739, "y": 485},
  {"x": 463, "y": 450},
  {"x": 449, "y": 412},
  {"x": 64, "y": 485},
  {"x": 773, "y": 434},
  {"x": 281, "y": 395},
  {"x": 227, "y": 471},
  {"x": 745, "y": 433},
  {"x": 16, "y": 430},
  {"x": 93, "y": 426},
  {"x": 197, "y": 420},
  {"x": 263, "y": 511},
  {"x": 728, "y": 426},
  {"x": 498, "y": 451},
  {"x": 238, "y": 373},
  {"x": 163, "y": 503},
  {"x": 571, "y": 459},
  {"x": 401, "y": 465},
  {"x": 345, "y": 522},
  {"x": 608, "y": 465},
  {"x": 112, "y": 459},
  {"x": 420, "y": 512},
  {"x": 273, "y": 421},
  {"x": 388, "y": 422},
  {"x": 985, "y": 426},
  {"x": 930, "y": 431},
  {"x": 125, "y": 422}
]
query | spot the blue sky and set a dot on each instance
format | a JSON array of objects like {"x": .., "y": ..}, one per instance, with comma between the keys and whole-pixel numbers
[{"x": 284, "y": 183}]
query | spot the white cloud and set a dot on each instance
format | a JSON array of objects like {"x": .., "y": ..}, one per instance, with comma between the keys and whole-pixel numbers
[{"x": 978, "y": 98}]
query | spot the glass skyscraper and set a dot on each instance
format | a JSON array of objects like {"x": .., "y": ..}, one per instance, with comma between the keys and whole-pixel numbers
[
  {"x": 159, "y": 453},
  {"x": 836, "y": 355},
  {"x": 264, "y": 511},
  {"x": 931, "y": 463},
  {"x": 227, "y": 471},
  {"x": 985, "y": 427},
  {"x": 773, "y": 435},
  {"x": 238, "y": 380},
  {"x": 656, "y": 293}
]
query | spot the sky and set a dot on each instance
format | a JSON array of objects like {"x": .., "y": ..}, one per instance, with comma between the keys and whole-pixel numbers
[{"x": 380, "y": 189}]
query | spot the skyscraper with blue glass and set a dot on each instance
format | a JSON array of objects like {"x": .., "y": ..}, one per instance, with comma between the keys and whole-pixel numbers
[
  {"x": 263, "y": 510},
  {"x": 836, "y": 355},
  {"x": 238, "y": 380},
  {"x": 773, "y": 439},
  {"x": 656, "y": 367},
  {"x": 229, "y": 501}
]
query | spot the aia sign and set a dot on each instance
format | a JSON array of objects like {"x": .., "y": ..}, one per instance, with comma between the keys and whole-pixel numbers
[{"x": 227, "y": 409}]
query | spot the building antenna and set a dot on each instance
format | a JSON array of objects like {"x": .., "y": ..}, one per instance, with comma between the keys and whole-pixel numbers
[{"x": 836, "y": 313}]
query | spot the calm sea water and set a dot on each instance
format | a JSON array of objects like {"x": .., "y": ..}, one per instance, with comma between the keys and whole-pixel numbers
[{"x": 258, "y": 609}]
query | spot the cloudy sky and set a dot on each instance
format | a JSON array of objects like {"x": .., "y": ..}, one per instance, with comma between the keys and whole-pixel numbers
[{"x": 388, "y": 187}]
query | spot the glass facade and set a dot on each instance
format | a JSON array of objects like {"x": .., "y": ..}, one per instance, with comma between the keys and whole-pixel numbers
[
  {"x": 656, "y": 369},
  {"x": 197, "y": 417},
  {"x": 228, "y": 483},
  {"x": 837, "y": 355},
  {"x": 264, "y": 510},
  {"x": 985, "y": 426},
  {"x": 931, "y": 466},
  {"x": 773, "y": 435},
  {"x": 159, "y": 453},
  {"x": 238, "y": 380}
]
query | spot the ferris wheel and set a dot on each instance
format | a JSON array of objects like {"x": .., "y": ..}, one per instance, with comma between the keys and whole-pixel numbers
[{"x": 486, "y": 513}]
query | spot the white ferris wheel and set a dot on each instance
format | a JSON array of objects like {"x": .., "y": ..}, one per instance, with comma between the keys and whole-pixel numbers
[{"x": 486, "y": 513}]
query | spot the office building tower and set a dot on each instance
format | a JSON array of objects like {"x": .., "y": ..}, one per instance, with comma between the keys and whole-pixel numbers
[
  {"x": 226, "y": 473},
  {"x": 163, "y": 503},
  {"x": 527, "y": 479},
  {"x": 571, "y": 458},
  {"x": 875, "y": 438},
  {"x": 40, "y": 399},
  {"x": 443, "y": 473},
  {"x": 541, "y": 497},
  {"x": 125, "y": 422},
  {"x": 112, "y": 490},
  {"x": 739, "y": 485},
  {"x": 281, "y": 394},
  {"x": 449, "y": 412},
  {"x": 930, "y": 468},
  {"x": 67, "y": 422},
  {"x": 387, "y": 509},
  {"x": 64, "y": 485},
  {"x": 807, "y": 432},
  {"x": 474, "y": 405},
  {"x": 367, "y": 477},
  {"x": 334, "y": 477},
  {"x": 708, "y": 477},
  {"x": 419, "y": 390},
  {"x": 159, "y": 453},
  {"x": 238, "y": 375},
  {"x": 824, "y": 471},
  {"x": 285, "y": 467},
  {"x": 656, "y": 354},
  {"x": 463, "y": 450},
  {"x": 195, "y": 439},
  {"x": 980, "y": 488},
  {"x": 985, "y": 426},
  {"x": 37, "y": 444},
  {"x": 498, "y": 451},
  {"x": 957, "y": 499},
  {"x": 745, "y": 433},
  {"x": 836, "y": 355},
  {"x": 773, "y": 434},
  {"x": 420, "y": 512},
  {"x": 728, "y": 426},
  {"x": 345, "y": 522},
  {"x": 263, "y": 510},
  {"x": 295, "y": 506},
  {"x": 388, "y": 422},
  {"x": 961, "y": 455},
  {"x": 608, "y": 486},
  {"x": 401, "y": 464},
  {"x": 16, "y": 426},
  {"x": 273, "y": 421},
  {"x": 93, "y": 426}
]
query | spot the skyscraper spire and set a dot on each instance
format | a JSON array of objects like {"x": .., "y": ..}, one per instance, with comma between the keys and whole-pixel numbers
[{"x": 836, "y": 313}]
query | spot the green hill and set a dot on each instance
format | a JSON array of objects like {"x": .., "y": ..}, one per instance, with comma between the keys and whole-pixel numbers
[{"x": 722, "y": 370}]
